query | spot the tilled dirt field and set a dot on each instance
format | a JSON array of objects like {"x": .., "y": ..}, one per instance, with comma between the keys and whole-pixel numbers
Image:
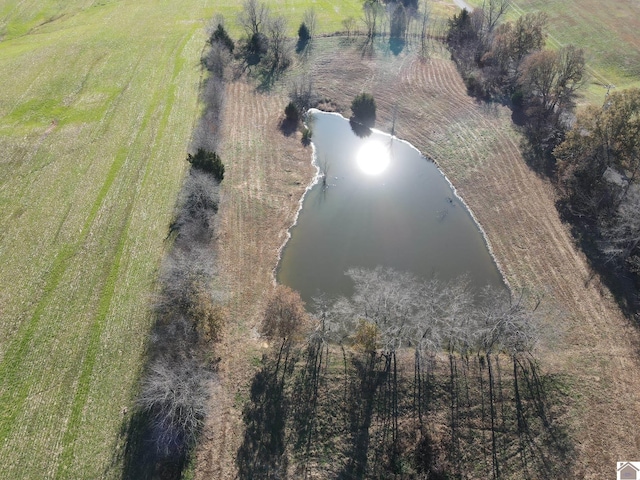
[{"x": 478, "y": 149}]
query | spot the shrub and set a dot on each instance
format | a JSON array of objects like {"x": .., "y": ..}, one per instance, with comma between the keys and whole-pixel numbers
[
  {"x": 303, "y": 33},
  {"x": 291, "y": 112},
  {"x": 206, "y": 314},
  {"x": 364, "y": 109},
  {"x": 284, "y": 317},
  {"x": 306, "y": 135},
  {"x": 221, "y": 36},
  {"x": 208, "y": 162},
  {"x": 366, "y": 336}
]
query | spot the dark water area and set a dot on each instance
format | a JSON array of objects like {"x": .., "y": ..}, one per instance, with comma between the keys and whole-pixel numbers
[{"x": 383, "y": 204}]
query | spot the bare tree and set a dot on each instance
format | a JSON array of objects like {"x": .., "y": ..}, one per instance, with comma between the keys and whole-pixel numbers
[
  {"x": 493, "y": 11},
  {"x": 302, "y": 92},
  {"x": 349, "y": 25},
  {"x": 372, "y": 11},
  {"x": 175, "y": 392},
  {"x": 425, "y": 13},
  {"x": 622, "y": 236},
  {"x": 552, "y": 78},
  {"x": 279, "y": 48},
  {"x": 253, "y": 17},
  {"x": 508, "y": 45},
  {"x": 528, "y": 35},
  {"x": 310, "y": 19},
  {"x": 387, "y": 298}
]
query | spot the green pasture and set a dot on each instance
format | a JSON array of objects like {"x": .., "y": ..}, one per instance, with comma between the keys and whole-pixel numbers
[
  {"x": 96, "y": 112},
  {"x": 97, "y": 103},
  {"x": 608, "y": 31},
  {"x": 330, "y": 13}
]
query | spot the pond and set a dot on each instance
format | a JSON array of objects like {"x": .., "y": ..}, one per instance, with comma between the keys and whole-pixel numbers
[{"x": 381, "y": 203}]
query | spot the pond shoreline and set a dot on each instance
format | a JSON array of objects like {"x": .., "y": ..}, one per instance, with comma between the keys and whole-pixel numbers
[{"x": 429, "y": 182}]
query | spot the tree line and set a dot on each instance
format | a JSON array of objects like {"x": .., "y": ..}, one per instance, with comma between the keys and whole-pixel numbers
[
  {"x": 592, "y": 157},
  {"x": 173, "y": 400},
  {"x": 508, "y": 62},
  {"x": 405, "y": 379},
  {"x": 596, "y": 174}
]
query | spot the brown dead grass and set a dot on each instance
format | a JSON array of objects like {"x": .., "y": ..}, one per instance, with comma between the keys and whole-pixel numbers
[
  {"x": 265, "y": 176},
  {"x": 478, "y": 149}
]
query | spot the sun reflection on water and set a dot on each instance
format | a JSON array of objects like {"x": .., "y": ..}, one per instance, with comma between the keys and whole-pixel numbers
[{"x": 373, "y": 158}]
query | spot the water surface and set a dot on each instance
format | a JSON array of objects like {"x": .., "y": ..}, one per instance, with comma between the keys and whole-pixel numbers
[{"x": 383, "y": 204}]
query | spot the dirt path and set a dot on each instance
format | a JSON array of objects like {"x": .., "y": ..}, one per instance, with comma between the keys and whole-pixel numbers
[{"x": 596, "y": 349}]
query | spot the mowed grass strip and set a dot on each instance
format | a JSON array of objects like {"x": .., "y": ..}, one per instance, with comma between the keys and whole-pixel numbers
[{"x": 94, "y": 126}]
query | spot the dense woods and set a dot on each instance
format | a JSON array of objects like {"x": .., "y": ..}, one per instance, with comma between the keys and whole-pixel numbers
[{"x": 597, "y": 175}]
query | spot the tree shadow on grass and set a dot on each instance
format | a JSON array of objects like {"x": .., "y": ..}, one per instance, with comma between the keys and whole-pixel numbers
[
  {"x": 262, "y": 453},
  {"x": 289, "y": 127},
  {"x": 302, "y": 46},
  {"x": 366, "y": 48},
  {"x": 141, "y": 458},
  {"x": 396, "y": 45},
  {"x": 549, "y": 450},
  {"x": 367, "y": 378}
]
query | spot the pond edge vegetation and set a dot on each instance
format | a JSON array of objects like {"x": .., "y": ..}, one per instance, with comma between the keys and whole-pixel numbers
[{"x": 335, "y": 395}]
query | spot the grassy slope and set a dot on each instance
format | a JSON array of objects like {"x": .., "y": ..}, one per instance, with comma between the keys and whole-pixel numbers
[
  {"x": 608, "y": 31},
  {"x": 96, "y": 112}
]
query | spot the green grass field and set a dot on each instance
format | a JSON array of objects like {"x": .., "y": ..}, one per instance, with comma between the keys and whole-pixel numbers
[
  {"x": 97, "y": 105},
  {"x": 96, "y": 110},
  {"x": 608, "y": 31}
]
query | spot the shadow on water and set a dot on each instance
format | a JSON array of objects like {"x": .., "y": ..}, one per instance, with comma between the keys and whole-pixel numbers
[{"x": 361, "y": 130}]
